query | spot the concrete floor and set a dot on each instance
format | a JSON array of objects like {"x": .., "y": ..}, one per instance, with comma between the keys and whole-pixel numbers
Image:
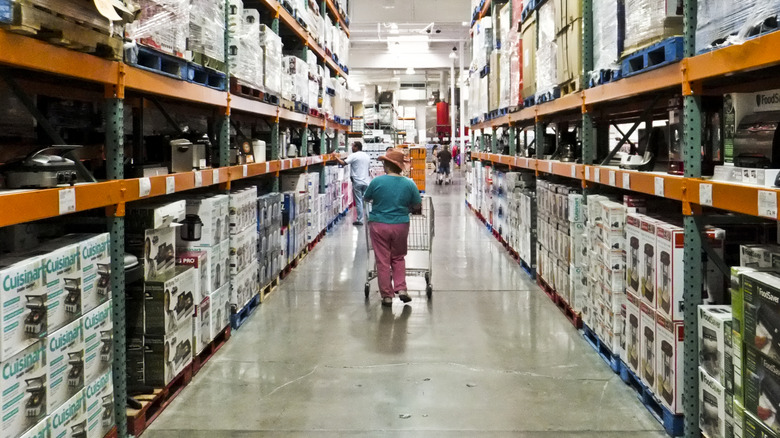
[{"x": 489, "y": 356}]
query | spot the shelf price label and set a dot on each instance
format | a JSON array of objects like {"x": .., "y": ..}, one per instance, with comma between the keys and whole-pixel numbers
[
  {"x": 267, "y": 167},
  {"x": 549, "y": 167},
  {"x": 612, "y": 178},
  {"x": 245, "y": 170},
  {"x": 659, "y": 186},
  {"x": 596, "y": 175},
  {"x": 767, "y": 204},
  {"x": 705, "y": 195},
  {"x": 67, "y": 200},
  {"x": 215, "y": 176},
  {"x": 144, "y": 187},
  {"x": 198, "y": 179},
  {"x": 587, "y": 172},
  {"x": 574, "y": 171},
  {"x": 626, "y": 181},
  {"x": 170, "y": 185}
]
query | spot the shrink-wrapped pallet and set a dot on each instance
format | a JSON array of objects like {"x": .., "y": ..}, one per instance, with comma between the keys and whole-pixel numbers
[
  {"x": 650, "y": 21},
  {"x": 720, "y": 23},
  {"x": 271, "y": 45},
  {"x": 207, "y": 29},
  {"x": 547, "y": 52},
  {"x": 606, "y": 36},
  {"x": 162, "y": 25}
]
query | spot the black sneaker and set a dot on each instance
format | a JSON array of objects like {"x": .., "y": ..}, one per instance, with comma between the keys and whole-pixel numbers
[
  {"x": 357, "y": 223},
  {"x": 404, "y": 296}
]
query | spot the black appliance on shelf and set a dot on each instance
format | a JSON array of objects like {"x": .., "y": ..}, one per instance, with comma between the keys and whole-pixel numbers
[{"x": 757, "y": 141}]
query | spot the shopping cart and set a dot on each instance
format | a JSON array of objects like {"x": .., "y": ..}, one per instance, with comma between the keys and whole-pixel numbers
[{"x": 420, "y": 242}]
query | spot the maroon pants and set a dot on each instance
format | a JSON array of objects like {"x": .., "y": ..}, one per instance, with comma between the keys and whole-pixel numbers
[{"x": 389, "y": 242}]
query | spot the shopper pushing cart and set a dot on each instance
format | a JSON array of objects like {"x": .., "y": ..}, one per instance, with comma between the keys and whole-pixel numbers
[
  {"x": 392, "y": 232},
  {"x": 445, "y": 161}
]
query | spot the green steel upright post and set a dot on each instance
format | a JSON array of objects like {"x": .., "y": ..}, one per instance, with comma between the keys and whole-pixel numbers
[
  {"x": 224, "y": 141},
  {"x": 323, "y": 142},
  {"x": 482, "y": 141},
  {"x": 115, "y": 155},
  {"x": 512, "y": 140},
  {"x": 539, "y": 138},
  {"x": 494, "y": 141},
  {"x": 588, "y": 134},
  {"x": 692, "y": 266},
  {"x": 275, "y": 149},
  {"x": 305, "y": 141}
]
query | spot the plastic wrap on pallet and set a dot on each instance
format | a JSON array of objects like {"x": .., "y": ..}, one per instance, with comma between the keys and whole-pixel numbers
[
  {"x": 494, "y": 83},
  {"x": 245, "y": 56},
  {"x": 547, "y": 52},
  {"x": 271, "y": 45},
  {"x": 515, "y": 70},
  {"x": 505, "y": 81},
  {"x": 207, "y": 28},
  {"x": 650, "y": 21},
  {"x": 504, "y": 25},
  {"x": 606, "y": 52},
  {"x": 483, "y": 95},
  {"x": 722, "y": 23},
  {"x": 483, "y": 41},
  {"x": 162, "y": 25}
]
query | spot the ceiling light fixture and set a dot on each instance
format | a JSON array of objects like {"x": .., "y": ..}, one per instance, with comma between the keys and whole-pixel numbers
[{"x": 410, "y": 71}]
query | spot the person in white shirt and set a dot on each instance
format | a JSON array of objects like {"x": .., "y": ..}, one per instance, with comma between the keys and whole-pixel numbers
[{"x": 358, "y": 162}]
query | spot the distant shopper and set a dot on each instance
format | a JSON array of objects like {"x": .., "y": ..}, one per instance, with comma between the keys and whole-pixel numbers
[
  {"x": 358, "y": 162},
  {"x": 445, "y": 158},
  {"x": 392, "y": 197},
  {"x": 456, "y": 156}
]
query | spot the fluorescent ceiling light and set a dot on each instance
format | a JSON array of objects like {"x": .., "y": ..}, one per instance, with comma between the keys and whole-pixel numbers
[
  {"x": 410, "y": 71},
  {"x": 393, "y": 29},
  {"x": 408, "y": 43}
]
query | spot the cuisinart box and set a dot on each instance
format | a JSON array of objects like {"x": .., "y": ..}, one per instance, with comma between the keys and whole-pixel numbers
[
  {"x": 40, "y": 430},
  {"x": 715, "y": 407},
  {"x": 200, "y": 262},
  {"x": 23, "y": 311},
  {"x": 210, "y": 215},
  {"x": 669, "y": 270},
  {"x": 633, "y": 253},
  {"x": 762, "y": 388},
  {"x": 70, "y": 419},
  {"x": 100, "y": 405},
  {"x": 648, "y": 254},
  {"x": 98, "y": 341},
  {"x": 62, "y": 274},
  {"x": 669, "y": 363},
  {"x": 23, "y": 391},
  {"x": 169, "y": 301},
  {"x": 166, "y": 356},
  {"x": 202, "y": 325},
  {"x": 65, "y": 359},
  {"x": 761, "y": 291},
  {"x": 647, "y": 333},
  {"x": 633, "y": 337},
  {"x": 95, "y": 269},
  {"x": 715, "y": 344}
]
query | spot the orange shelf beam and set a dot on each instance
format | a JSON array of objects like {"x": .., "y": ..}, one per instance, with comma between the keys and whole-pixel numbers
[
  {"x": 335, "y": 12},
  {"x": 669, "y": 76},
  {"x": 566, "y": 103},
  {"x": 738, "y": 198},
  {"x": 153, "y": 83},
  {"x": 753, "y": 54}
]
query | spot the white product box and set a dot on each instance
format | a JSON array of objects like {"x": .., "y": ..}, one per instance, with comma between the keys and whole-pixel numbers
[
  {"x": 293, "y": 182},
  {"x": 99, "y": 395},
  {"x": 201, "y": 263},
  {"x": 577, "y": 208},
  {"x": 62, "y": 274},
  {"x": 715, "y": 407},
  {"x": 578, "y": 288},
  {"x": 98, "y": 341},
  {"x": 95, "y": 253},
  {"x": 65, "y": 359},
  {"x": 155, "y": 249},
  {"x": 169, "y": 301},
  {"x": 648, "y": 256},
  {"x": 634, "y": 253},
  {"x": 714, "y": 287},
  {"x": 166, "y": 356},
  {"x": 715, "y": 344},
  {"x": 579, "y": 244},
  {"x": 23, "y": 390},
  {"x": 202, "y": 326},
  {"x": 243, "y": 250},
  {"x": 757, "y": 256},
  {"x": 220, "y": 310},
  {"x": 244, "y": 286},
  {"x": 243, "y": 209},
  {"x": 614, "y": 239},
  {"x": 211, "y": 214},
  {"x": 669, "y": 270},
  {"x": 613, "y": 215},
  {"x": 633, "y": 334},
  {"x": 648, "y": 347},
  {"x": 23, "y": 312},
  {"x": 40, "y": 430},
  {"x": 669, "y": 363},
  {"x": 70, "y": 419},
  {"x": 153, "y": 215}
]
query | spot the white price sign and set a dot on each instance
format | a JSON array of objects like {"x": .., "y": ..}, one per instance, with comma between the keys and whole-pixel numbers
[
  {"x": 597, "y": 175},
  {"x": 549, "y": 167},
  {"x": 626, "y": 181},
  {"x": 659, "y": 186},
  {"x": 587, "y": 172},
  {"x": 245, "y": 170},
  {"x": 144, "y": 187},
  {"x": 705, "y": 195},
  {"x": 767, "y": 204},
  {"x": 67, "y": 201},
  {"x": 198, "y": 179},
  {"x": 612, "y": 178},
  {"x": 215, "y": 176},
  {"x": 170, "y": 185},
  {"x": 267, "y": 167},
  {"x": 573, "y": 171}
]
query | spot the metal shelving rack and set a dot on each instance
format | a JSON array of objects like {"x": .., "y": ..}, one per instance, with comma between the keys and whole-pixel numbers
[{"x": 720, "y": 71}]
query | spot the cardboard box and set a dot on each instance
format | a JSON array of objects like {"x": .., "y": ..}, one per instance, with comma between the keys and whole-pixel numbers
[
  {"x": 135, "y": 360},
  {"x": 23, "y": 312},
  {"x": 668, "y": 363},
  {"x": 669, "y": 268},
  {"x": 754, "y": 428},
  {"x": 169, "y": 301},
  {"x": 62, "y": 273},
  {"x": 243, "y": 250},
  {"x": 65, "y": 359},
  {"x": 738, "y": 422},
  {"x": 762, "y": 388},
  {"x": 212, "y": 213},
  {"x": 715, "y": 407},
  {"x": 648, "y": 346},
  {"x": 714, "y": 284},
  {"x": 95, "y": 253},
  {"x": 715, "y": 344},
  {"x": 201, "y": 263},
  {"x": 40, "y": 430},
  {"x": 633, "y": 333},
  {"x": 220, "y": 310},
  {"x": 761, "y": 292},
  {"x": 202, "y": 331},
  {"x": 70, "y": 419},
  {"x": 141, "y": 216},
  {"x": 634, "y": 263},
  {"x": 244, "y": 286},
  {"x": 243, "y": 209},
  {"x": 98, "y": 341},
  {"x": 155, "y": 249},
  {"x": 529, "y": 57},
  {"x": 166, "y": 356},
  {"x": 23, "y": 390},
  {"x": 99, "y": 395},
  {"x": 648, "y": 259}
]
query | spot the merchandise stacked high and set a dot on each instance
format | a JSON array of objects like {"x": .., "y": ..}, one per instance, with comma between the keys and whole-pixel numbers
[
  {"x": 516, "y": 212},
  {"x": 244, "y": 265},
  {"x": 245, "y": 54},
  {"x": 269, "y": 225}
]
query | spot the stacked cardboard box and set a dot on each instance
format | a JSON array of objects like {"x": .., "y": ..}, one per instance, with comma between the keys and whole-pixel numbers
[
  {"x": 245, "y": 55},
  {"x": 650, "y": 21},
  {"x": 608, "y": 28},
  {"x": 547, "y": 51},
  {"x": 162, "y": 25},
  {"x": 244, "y": 267},
  {"x": 568, "y": 30},
  {"x": 269, "y": 223}
]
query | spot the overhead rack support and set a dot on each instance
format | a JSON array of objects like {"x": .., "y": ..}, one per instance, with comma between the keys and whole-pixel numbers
[{"x": 512, "y": 140}]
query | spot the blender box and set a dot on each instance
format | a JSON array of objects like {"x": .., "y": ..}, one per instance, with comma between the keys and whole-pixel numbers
[
  {"x": 98, "y": 341},
  {"x": 715, "y": 344},
  {"x": 40, "y": 430},
  {"x": 200, "y": 262},
  {"x": 633, "y": 253},
  {"x": 648, "y": 255},
  {"x": 153, "y": 215},
  {"x": 155, "y": 249},
  {"x": 220, "y": 310},
  {"x": 166, "y": 356},
  {"x": 669, "y": 363},
  {"x": 201, "y": 333},
  {"x": 65, "y": 360},
  {"x": 23, "y": 312},
  {"x": 613, "y": 215},
  {"x": 62, "y": 274},
  {"x": 23, "y": 390},
  {"x": 70, "y": 419},
  {"x": 669, "y": 270},
  {"x": 715, "y": 407},
  {"x": 633, "y": 325},
  {"x": 206, "y": 222},
  {"x": 761, "y": 302},
  {"x": 647, "y": 348},
  {"x": 169, "y": 301},
  {"x": 754, "y": 428},
  {"x": 243, "y": 250},
  {"x": 99, "y": 395},
  {"x": 762, "y": 388}
]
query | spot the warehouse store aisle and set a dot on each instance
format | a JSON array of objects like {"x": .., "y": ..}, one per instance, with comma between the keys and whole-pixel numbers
[{"x": 490, "y": 355}]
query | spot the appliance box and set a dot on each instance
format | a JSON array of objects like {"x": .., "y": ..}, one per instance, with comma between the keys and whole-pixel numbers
[
  {"x": 169, "y": 301},
  {"x": 634, "y": 256},
  {"x": 762, "y": 312},
  {"x": 757, "y": 256},
  {"x": 202, "y": 331},
  {"x": 715, "y": 407},
  {"x": 95, "y": 270},
  {"x": 23, "y": 391},
  {"x": 166, "y": 356},
  {"x": 70, "y": 419},
  {"x": 633, "y": 355},
  {"x": 155, "y": 249},
  {"x": 40, "y": 430},
  {"x": 98, "y": 341},
  {"x": 762, "y": 385},
  {"x": 201, "y": 263},
  {"x": 100, "y": 405},
  {"x": 135, "y": 360},
  {"x": 669, "y": 270},
  {"x": 648, "y": 254},
  {"x": 152, "y": 215},
  {"x": 65, "y": 359},
  {"x": 715, "y": 288},
  {"x": 243, "y": 250},
  {"x": 244, "y": 286},
  {"x": 62, "y": 273},
  {"x": 669, "y": 363},
  {"x": 647, "y": 349},
  {"x": 754, "y": 428},
  {"x": 715, "y": 344},
  {"x": 220, "y": 310},
  {"x": 23, "y": 312},
  {"x": 213, "y": 214}
]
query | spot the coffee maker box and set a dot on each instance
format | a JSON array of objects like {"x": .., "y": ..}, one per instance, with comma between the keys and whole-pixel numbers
[
  {"x": 23, "y": 390},
  {"x": 170, "y": 301},
  {"x": 633, "y": 355},
  {"x": 762, "y": 388},
  {"x": 199, "y": 261},
  {"x": 634, "y": 254},
  {"x": 99, "y": 395},
  {"x": 669, "y": 363},
  {"x": 40, "y": 430},
  {"x": 70, "y": 419},
  {"x": 220, "y": 310},
  {"x": 669, "y": 270},
  {"x": 65, "y": 359},
  {"x": 206, "y": 223},
  {"x": 62, "y": 275},
  {"x": 648, "y": 336},
  {"x": 715, "y": 407},
  {"x": 648, "y": 259},
  {"x": 202, "y": 325},
  {"x": 23, "y": 311},
  {"x": 98, "y": 341},
  {"x": 166, "y": 356},
  {"x": 715, "y": 344}
]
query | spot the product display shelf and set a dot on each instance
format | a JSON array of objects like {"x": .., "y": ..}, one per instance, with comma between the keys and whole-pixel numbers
[{"x": 331, "y": 5}]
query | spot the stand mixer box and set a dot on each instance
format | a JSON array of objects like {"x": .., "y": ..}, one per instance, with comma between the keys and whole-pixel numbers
[
  {"x": 762, "y": 389},
  {"x": 98, "y": 341},
  {"x": 23, "y": 390},
  {"x": 648, "y": 343},
  {"x": 669, "y": 363},
  {"x": 65, "y": 359},
  {"x": 23, "y": 312},
  {"x": 716, "y": 408},
  {"x": 633, "y": 250},
  {"x": 669, "y": 270},
  {"x": 70, "y": 419},
  {"x": 169, "y": 301},
  {"x": 100, "y": 405},
  {"x": 632, "y": 355},
  {"x": 715, "y": 344},
  {"x": 166, "y": 356}
]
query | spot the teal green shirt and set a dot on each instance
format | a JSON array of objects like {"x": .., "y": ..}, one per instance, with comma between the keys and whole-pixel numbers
[{"x": 391, "y": 197}]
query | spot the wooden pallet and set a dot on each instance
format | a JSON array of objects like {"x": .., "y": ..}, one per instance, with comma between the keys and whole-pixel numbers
[
  {"x": 571, "y": 86},
  {"x": 138, "y": 420},
  {"x": 240, "y": 88},
  {"x": 575, "y": 318},
  {"x": 215, "y": 345},
  {"x": 209, "y": 62},
  {"x": 269, "y": 288},
  {"x": 239, "y": 317}
]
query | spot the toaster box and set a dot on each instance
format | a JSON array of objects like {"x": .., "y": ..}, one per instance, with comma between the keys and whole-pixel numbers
[
  {"x": 647, "y": 348},
  {"x": 755, "y": 428},
  {"x": 142, "y": 216},
  {"x": 201, "y": 263},
  {"x": 762, "y": 388},
  {"x": 169, "y": 301},
  {"x": 70, "y": 419},
  {"x": 98, "y": 341},
  {"x": 166, "y": 356},
  {"x": 243, "y": 250},
  {"x": 669, "y": 363},
  {"x": 99, "y": 395},
  {"x": 23, "y": 311},
  {"x": 761, "y": 302},
  {"x": 40, "y": 430},
  {"x": 220, "y": 310},
  {"x": 632, "y": 355},
  {"x": 155, "y": 249},
  {"x": 206, "y": 223},
  {"x": 715, "y": 407},
  {"x": 62, "y": 274},
  {"x": 633, "y": 253},
  {"x": 201, "y": 322},
  {"x": 647, "y": 259},
  {"x": 95, "y": 253},
  {"x": 669, "y": 270},
  {"x": 244, "y": 286},
  {"x": 65, "y": 359},
  {"x": 23, "y": 390},
  {"x": 715, "y": 344}
]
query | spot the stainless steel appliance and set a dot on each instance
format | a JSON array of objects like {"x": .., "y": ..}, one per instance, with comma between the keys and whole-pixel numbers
[
  {"x": 35, "y": 322},
  {"x": 186, "y": 155},
  {"x": 73, "y": 298},
  {"x": 42, "y": 170},
  {"x": 757, "y": 141}
]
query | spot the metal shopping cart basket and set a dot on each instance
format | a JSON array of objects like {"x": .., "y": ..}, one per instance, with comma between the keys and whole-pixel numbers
[{"x": 420, "y": 243}]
